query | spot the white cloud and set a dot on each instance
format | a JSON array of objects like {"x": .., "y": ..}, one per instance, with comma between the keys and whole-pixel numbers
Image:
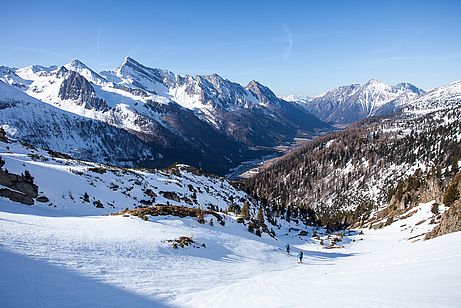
[
  {"x": 288, "y": 39},
  {"x": 97, "y": 42}
]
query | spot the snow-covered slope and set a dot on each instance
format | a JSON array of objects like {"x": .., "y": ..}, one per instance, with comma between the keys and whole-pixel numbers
[
  {"x": 85, "y": 71},
  {"x": 382, "y": 268},
  {"x": 33, "y": 121},
  {"x": 446, "y": 96},
  {"x": 351, "y": 103},
  {"x": 132, "y": 127},
  {"x": 51, "y": 259},
  {"x": 65, "y": 182},
  {"x": 199, "y": 92}
]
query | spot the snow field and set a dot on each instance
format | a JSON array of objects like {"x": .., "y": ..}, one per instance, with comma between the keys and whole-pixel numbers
[{"x": 131, "y": 258}]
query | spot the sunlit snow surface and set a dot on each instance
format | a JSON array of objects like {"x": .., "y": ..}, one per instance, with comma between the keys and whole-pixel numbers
[{"x": 48, "y": 260}]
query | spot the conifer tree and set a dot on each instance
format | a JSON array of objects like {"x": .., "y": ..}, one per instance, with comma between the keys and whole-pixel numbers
[
  {"x": 451, "y": 195},
  {"x": 86, "y": 197},
  {"x": 27, "y": 177},
  {"x": 288, "y": 214},
  {"x": 260, "y": 216},
  {"x": 246, "y": 210},
  {"x": 454, "y": 166}
]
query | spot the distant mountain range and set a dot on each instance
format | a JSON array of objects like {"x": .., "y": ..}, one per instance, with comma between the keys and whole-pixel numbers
[
  {"x": 347, "y": 104},
  {"x": 143, "y": 116}
]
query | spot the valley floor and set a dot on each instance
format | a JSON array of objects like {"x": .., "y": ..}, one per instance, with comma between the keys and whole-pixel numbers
[{"x": 115, "y": 261}]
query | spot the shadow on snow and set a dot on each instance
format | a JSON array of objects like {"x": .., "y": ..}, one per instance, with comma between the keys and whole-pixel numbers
[{"x": 29, "y": 282}]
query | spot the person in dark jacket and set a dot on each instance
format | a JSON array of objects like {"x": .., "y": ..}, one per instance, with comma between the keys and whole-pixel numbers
[
  {"x": 300, "y": 256},
  {"x": 287, "y": 247}
]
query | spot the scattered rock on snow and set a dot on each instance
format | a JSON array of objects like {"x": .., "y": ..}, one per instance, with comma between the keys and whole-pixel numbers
[{"x": 42, "y": 199}]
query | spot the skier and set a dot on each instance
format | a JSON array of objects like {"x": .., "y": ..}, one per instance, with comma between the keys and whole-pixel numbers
[
  {"x": 287, "y": 246},
  {"x": 300, "y": 256}
]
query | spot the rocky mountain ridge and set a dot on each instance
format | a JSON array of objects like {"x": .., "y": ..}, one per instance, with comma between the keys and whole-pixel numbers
[
  {"x": 205, "y": 121},
  {"x": 347, "y": 104}
]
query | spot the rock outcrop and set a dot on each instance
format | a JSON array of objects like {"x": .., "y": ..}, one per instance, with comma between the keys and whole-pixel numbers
[
  {"x": 450, "y": 222},
  {"x": 451, "y": 219},
  {"x": 17, "y": 188},
  {"x": 76, "y": 87}
]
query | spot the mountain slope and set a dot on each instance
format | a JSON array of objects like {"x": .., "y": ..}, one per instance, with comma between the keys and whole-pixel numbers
[
  {"x": 439, "y": 98},
  {"x": 46, "y": 126},
  {"x": 64, "y": 182},
  {"x": 229, "y": 107}
]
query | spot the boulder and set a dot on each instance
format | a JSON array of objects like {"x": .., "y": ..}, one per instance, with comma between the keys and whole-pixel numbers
[
  {"x": 16, "y": 196},
  {"x": 42, "y": 199},
  {"x": 303, "y": 233},
  {"x": 170, "y": 195}
]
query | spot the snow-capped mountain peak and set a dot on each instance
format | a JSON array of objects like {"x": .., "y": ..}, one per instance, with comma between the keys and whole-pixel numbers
[
  {"x": 76, "y": 64},
  {"x": 128, "y": 62},
  {"x": 375, "y": 82},
  {"x": 253, "y": 84},
  {"x": 79, "y": 67},
  {"x": 406, "y": 86},
  {"x": 134, "y": 68},
  {"x": 376, "y": 86},
  {"x": 262, "y": 93},
  {"x": 9, "y": 76},
  {"x": 133, "y": 74}
]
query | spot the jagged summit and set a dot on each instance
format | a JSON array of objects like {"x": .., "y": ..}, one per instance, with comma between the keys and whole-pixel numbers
[
  {"x": 263, "y": 93},
  {"x": 128, "y": 61},
  {"x": 82, "y": 69},
  {"x": 408, "y": 86},
  {"x": 253, "y": 84},
  {"x": 373, "y": 81},
  {"x": 76, "y": 63},
  {"x": 136, "y": 65},
  {"x": 134, "y": 74}
]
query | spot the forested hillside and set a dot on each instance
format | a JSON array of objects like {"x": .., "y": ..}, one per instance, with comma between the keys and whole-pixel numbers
[{"x": 345, "y": 176}]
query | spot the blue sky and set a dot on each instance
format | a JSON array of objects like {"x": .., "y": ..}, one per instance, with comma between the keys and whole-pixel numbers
[{"x": 294, "y": 47}]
